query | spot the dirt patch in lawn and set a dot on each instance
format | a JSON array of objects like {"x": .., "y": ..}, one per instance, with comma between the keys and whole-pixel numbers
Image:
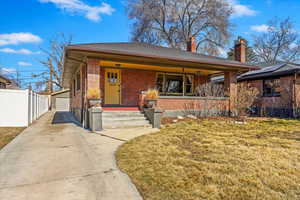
[
  {"x": 7, "y": 134},
  {"x": 216, "y": 159}
]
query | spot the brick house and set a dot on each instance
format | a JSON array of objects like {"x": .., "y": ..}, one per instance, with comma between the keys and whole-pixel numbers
[
  {"x": 279, "y": 89},
  {"x": 121, "y": 71}
]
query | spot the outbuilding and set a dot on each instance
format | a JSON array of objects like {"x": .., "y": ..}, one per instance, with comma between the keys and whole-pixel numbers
[{"x": 60, "y": 100}]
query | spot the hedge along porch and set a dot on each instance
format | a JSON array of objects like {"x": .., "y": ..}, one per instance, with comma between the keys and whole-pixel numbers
[{"x": 121, "y": 71}]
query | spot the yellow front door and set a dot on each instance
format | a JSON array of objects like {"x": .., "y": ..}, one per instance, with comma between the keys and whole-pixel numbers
[{"x": 112, "y": 86}]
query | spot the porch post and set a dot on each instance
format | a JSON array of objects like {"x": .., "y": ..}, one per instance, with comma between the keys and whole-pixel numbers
[
  {"x": 230, "y": 83},
  {"x": 93, "y": 74},
  {"x": 92, "y": 81}
]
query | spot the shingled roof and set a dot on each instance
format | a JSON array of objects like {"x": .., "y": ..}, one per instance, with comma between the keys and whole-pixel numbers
[
  {"x": 280, "y": 69},
  {"x": 153, "y": 51}
]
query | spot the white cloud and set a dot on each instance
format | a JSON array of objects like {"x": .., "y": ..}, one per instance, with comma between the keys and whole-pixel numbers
[
  {"x": 240, "y": 10},
  {"x": 223, "y": 52},
  {"x": 17, "y": 38},
  {"x": 18, "y": 51},
  {"x": 78, "y": 7},
  {"x": 260, "y": 28},
  {"x": 7, "y": 70},
  {"x": 22, "y": 63},
  {"x": 293, "y": 45}
]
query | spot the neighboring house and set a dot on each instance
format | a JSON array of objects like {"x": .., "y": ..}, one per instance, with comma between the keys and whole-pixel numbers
[
  {"x": 122, "y": 71},
  {"x": 60, "y": 100},
  {"x": 279, "y": 89},
  {"x": 6, "y": 83}
]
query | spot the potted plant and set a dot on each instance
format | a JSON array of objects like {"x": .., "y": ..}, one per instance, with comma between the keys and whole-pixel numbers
[
  {"x": 94, "y": 97},
  {"x": 151, "y": 96}
]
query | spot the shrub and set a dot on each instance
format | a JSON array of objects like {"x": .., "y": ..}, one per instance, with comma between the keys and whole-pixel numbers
[
  {"x": 246, "y": 97},
  {"x": 210, "y": 90}
]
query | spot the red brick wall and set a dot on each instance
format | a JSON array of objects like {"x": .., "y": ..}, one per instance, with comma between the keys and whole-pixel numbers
[
  {"x": 89, "y": 78},
  {"x": 133, "y": 82},
  {"x": 76, "y": 100},
  {"x": 297, "y": 92},
  {"x": 285, "y": 100},
  {"x": 93, "y": 73},
  {"x": 189, "y": 103},
  {"x": 201, "y": 79}
]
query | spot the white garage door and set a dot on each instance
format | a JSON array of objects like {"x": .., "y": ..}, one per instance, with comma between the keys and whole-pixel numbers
[{"x": 62, "y": 104}]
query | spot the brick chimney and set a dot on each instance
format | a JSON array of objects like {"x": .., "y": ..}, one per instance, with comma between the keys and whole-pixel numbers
[
  {"x": 240, "y": 50},
  {"x": 191, "y": 45}
]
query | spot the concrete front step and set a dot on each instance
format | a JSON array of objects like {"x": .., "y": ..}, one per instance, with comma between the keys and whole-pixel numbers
[
  {"x": 126, "y": 124},
  {"x": 127, "y": 118},
  {"x": 124, "y": 119},
  {"x": 121, "y": 113}
]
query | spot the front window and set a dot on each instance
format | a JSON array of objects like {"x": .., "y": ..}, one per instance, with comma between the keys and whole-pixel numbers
[
  {"x": 271, "y": 87},
  {"x": 175, "y": 84}
]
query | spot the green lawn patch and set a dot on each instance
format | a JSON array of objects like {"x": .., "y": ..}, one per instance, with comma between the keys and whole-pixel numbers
[
  {"x": 216, "y": 159},
  {"x": 7, "y": 134}
]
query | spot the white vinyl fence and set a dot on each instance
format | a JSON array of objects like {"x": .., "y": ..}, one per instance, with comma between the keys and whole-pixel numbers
[{"x": 19, "y": 108}]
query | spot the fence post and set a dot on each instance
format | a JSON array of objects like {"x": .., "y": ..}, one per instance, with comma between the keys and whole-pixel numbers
[{"x": 27, "y": 92}]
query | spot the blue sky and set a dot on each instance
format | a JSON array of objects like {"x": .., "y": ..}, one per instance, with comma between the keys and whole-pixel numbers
[{"x": 26, "y": 25}]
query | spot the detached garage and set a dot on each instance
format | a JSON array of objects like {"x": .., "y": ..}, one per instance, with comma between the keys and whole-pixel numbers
[{"x": 60, "y": 100}]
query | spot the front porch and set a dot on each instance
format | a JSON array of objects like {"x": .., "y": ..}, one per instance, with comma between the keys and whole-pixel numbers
[{"x": 122, "y": 77}]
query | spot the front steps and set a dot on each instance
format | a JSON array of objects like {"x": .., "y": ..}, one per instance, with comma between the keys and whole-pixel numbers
[{"x": 123, "y": 119}]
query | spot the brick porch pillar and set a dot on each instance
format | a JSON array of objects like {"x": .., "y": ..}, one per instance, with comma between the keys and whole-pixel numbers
[
  {"x": 230, "y": 83},
  {"x": 92, "y": 77},
  {"x": 93, "y": 74}
]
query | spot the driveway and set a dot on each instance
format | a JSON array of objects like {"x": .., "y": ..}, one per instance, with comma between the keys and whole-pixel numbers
[{"x": 56, "y": 159}]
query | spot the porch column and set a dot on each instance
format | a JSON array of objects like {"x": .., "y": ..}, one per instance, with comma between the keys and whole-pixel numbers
[
  {"x": 93, "y": 74},
  {"x": 230, "y": 83},
  {"x": 92, "y": 80}
]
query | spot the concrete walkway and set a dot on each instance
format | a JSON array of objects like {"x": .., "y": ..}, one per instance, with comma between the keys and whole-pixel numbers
[{"x": 56, "y": 159}]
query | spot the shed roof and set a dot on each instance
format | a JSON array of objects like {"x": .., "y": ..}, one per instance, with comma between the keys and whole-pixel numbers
[{"x": 60, "y": 91}]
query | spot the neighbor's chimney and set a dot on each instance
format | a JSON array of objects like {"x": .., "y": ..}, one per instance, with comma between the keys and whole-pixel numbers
[
  {"x": 191, "y": 45},
  {"x": 240, "y": 50}
]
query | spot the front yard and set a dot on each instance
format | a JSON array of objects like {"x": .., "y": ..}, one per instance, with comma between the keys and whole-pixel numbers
[
  {"x": 8, "y": 133},
  {"x": 216, "y": 159}
]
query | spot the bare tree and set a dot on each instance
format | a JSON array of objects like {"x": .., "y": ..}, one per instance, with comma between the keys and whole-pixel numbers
[
  {"x": 53, "y": 62},
  {"x": 281, "y": 42},
  {"x": 173, "y": 22},
  {"x": 210, "y": 90}
]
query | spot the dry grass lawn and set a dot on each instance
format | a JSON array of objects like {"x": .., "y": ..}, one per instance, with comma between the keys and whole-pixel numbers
[
  {"x": 216, "y": 159},
  {"x": 7, "y": 134}
]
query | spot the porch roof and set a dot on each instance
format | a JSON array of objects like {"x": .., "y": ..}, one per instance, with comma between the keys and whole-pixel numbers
[{"x": 146, "y": 53}]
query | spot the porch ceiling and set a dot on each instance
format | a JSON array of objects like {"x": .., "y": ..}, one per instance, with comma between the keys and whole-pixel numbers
[{"x": 175, "y": 69}]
